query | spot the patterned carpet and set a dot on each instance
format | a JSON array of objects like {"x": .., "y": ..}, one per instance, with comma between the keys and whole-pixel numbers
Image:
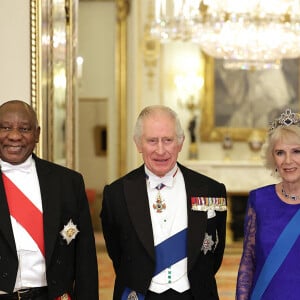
[{"x": 226, "y": 276}]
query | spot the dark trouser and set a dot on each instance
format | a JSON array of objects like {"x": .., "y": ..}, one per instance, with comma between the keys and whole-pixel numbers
[
  {"x": 27, "y": 294},
  {"x": 169, "y": 294}
]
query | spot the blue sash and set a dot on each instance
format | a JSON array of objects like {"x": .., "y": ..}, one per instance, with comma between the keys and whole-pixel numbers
[
  {"x": 167, "y": 253},
  {"x": 171, "y": 251},
  {"x": 277, "y": 255}
]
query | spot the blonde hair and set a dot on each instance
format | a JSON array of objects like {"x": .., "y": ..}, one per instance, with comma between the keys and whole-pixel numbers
[{"x": 288, "y": 134}]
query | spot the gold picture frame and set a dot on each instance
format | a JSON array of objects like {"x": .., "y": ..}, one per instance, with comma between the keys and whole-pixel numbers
[{"x": 214, "y": 104}]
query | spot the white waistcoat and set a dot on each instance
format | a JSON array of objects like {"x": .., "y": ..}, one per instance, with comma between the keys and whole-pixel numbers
[{"x": 165, "y": 224}]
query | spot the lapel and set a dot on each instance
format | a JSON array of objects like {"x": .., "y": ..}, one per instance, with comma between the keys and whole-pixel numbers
[
  {"x": 51, "y": 205},
  {"x": 135, "y": 191},
  {"x": 196, "y": 220},
  {"x": 5, "y": 222}
]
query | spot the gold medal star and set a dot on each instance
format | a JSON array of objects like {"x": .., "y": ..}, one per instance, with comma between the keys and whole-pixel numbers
[{"x": 69, "y": 232}]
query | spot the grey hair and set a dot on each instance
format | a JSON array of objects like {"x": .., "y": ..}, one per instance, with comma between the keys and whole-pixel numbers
[
  {"x": 152, "y": 110},
  {"x": 282, "y": 133}
]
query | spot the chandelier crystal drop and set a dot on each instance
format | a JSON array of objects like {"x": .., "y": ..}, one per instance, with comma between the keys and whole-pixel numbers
[{"x": 247, "y": 34}]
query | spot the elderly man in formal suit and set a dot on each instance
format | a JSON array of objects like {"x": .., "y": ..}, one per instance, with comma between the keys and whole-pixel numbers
[
  {"x": 164, "y": 225},
  {"x": 47, "y": 246}
]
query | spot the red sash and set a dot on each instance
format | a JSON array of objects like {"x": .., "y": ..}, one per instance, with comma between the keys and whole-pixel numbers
[{"x": 23, "y": 210}]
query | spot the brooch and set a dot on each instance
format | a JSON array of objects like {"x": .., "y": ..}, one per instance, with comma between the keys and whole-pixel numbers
[
  {"x": 69, "y": 232},
  {"x": 207, "y": 243}
]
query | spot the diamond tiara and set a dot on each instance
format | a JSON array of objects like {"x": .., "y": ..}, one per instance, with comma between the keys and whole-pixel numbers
[{"x": 286, "y": 119}]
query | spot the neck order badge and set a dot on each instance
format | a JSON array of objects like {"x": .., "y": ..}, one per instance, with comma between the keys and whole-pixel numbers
[{"x": 159, "y": 204}]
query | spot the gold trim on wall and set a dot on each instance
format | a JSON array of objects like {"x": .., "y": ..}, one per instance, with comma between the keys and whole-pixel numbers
[
  {"x": 42, "y": 78},
  {"x": 43, "y": 106},
  {"x": 71, "y": 8},
  {"x": 34, "y": 28},
  {"x": 35, "y": 65},
  {"x": 121, "y": 80}
]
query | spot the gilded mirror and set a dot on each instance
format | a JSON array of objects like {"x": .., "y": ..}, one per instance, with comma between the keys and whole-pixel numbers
[
  {"x": 53, "y": 84},
  {"x": 238, "y": 102},
  {"x": 52, "y": 81}
]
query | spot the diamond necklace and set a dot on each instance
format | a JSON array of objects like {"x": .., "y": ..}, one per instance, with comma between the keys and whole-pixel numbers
[{"x": 286, "y": 195}]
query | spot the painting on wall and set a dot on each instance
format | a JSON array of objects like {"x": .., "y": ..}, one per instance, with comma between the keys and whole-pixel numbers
[{"x": 236, "y": 102}]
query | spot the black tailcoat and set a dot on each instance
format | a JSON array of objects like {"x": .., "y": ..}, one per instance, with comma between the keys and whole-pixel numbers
[
  {"x": 127, "y": 229},
  {"x": 70, "y": 268}
]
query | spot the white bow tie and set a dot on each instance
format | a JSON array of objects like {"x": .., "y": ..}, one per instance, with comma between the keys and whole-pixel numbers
[
  {"x": 157, "y": 181},
  {"x": 24, "y": 167}
]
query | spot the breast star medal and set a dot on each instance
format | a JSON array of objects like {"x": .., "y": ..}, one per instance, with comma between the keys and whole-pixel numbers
[
  {"x": 69, "y": 232},
  {"x": 207, "y": 243},
  {"x": 159, "y": 204}
]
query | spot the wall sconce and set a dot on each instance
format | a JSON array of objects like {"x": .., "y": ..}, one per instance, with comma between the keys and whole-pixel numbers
[{"x": 188, "y": 87}]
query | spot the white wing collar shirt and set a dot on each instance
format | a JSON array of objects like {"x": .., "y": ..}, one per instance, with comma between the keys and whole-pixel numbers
[
  {"x": 170, "y": 219},
  {"x": 31, "y": 271}
]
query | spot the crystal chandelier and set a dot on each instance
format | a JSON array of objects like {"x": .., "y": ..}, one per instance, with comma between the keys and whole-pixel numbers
[{"x": 247, "y": 34}]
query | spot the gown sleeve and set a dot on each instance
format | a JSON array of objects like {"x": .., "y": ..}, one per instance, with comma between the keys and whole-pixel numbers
[{"x": 247, "y": 263}]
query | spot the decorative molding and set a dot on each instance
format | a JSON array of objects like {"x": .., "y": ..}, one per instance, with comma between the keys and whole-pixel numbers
[
  {"x": 122, "y": 7},
  {"x": 151, "y": 46},
  {"x": 34, "y": 59},
  {"x": 35, "y": 69},
  {"x": 42, "y": 72},
  {"x": 122, "y": 10},
  {"x": 71, "y": 10}
]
